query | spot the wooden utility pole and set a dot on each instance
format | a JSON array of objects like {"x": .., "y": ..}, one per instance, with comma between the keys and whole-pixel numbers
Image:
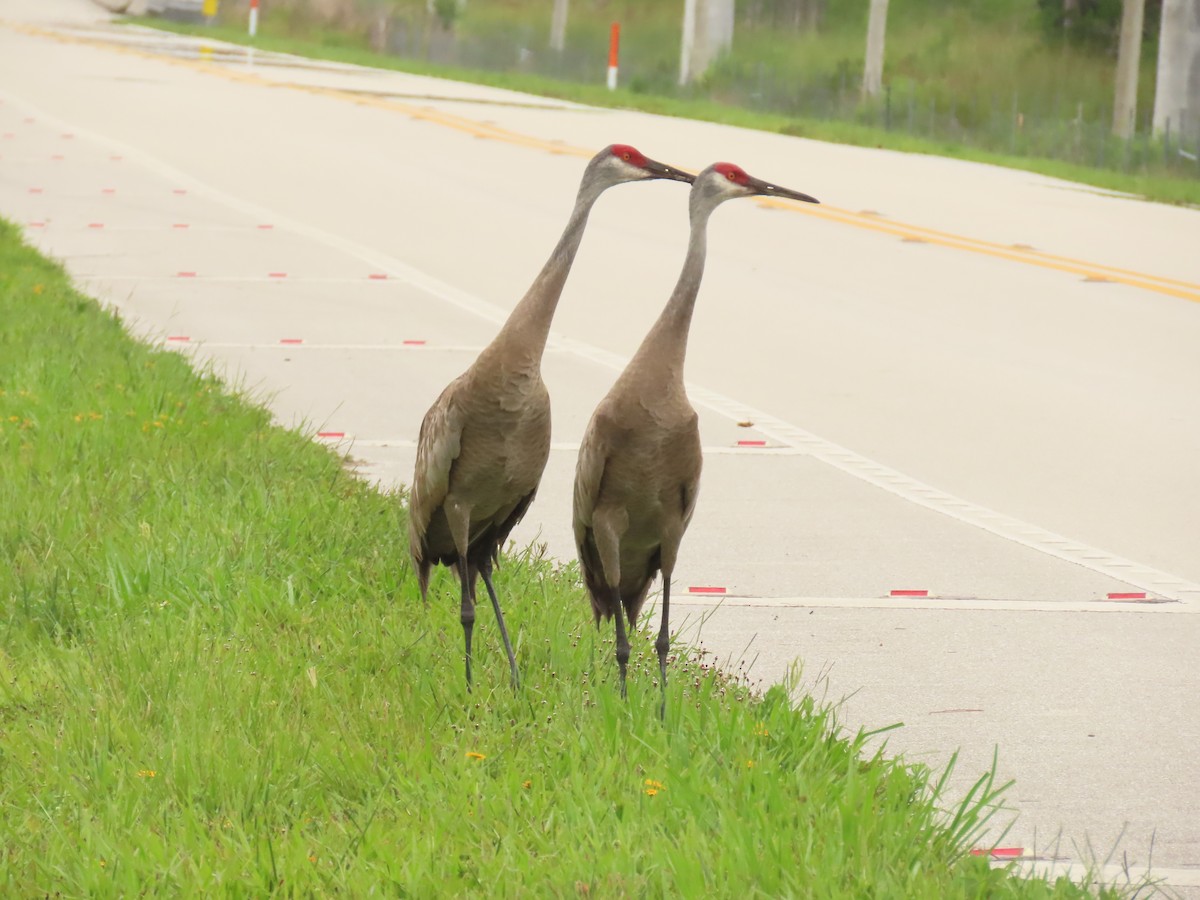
[
  {"x": 558, "y": 25},
  {"x": 707, "y": 33},
  {"x": 1177, "y": 90},
  {"x": 876, "y": 28},
  {"x": 1129, "y": 56}
]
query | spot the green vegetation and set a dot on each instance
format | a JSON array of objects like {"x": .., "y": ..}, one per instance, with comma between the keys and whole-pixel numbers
[
  {"x": 978, "y": 82},
  {"x": 216, "y": 678}
]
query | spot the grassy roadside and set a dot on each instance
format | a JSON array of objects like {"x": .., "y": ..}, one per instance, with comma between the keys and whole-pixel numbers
[
  {"x": 216, "y": 678},
  {"x": 337, "y": 47}
]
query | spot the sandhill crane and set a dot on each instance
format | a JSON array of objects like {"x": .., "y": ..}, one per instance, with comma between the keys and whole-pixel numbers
[
  {"x": 639, "y": 463},
  {"x": 485, "y": 441}
]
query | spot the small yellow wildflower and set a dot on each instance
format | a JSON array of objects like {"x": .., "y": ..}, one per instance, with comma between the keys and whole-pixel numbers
[
  {"x": 471, "y": 754},
  {"x": 761, "y": 730},
  {"x": 653, "y": 787},
  {"x": 527, "y": 784},
  {"x": 312, "y": 859},
  {"x": 650, "y": 792},
  {"x": 14, "y": 418},
  {"x": 749, "y": 764},
  {"x": 38, "y": 288},
  {"x": 146, "y": 773},
  {"x": 103, "y": 863},
  {"x": 79, "y": 418}
]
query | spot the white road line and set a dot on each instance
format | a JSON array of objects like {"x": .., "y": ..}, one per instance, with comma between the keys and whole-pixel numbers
[
  {"x": 569, "y": 446},
  {"x": 681, "y": 598},
  {"x": 841, "y": 458}
]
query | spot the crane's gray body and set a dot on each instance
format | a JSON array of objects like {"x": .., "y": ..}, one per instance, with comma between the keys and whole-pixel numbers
[{"x": 635, "y": 490}]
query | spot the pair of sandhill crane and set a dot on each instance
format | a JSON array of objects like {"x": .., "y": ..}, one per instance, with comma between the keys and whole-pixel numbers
[{"x": 485, "y": 441}]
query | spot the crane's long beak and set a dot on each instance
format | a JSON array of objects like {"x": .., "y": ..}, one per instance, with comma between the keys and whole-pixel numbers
[
  {"x": 662, "y": 170},
  {"x": 767, "y": 189}
]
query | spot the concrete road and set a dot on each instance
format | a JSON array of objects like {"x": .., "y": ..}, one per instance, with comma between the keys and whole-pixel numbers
[{"x": 950, "y": 378}]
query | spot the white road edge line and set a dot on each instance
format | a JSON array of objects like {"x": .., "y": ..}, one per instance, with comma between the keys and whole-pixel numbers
[
  {"x": 1126, "y": 571},
  {"x": 681, "y": 599}
]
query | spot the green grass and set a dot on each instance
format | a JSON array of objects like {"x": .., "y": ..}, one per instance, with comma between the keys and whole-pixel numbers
[
  {"x": 1149, "y": 180},
  {"x": 217, "y": 679}
]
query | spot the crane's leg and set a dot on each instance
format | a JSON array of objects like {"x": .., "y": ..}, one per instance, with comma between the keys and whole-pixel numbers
[
  {"x": 486, "y": 571},
  {"x": 458, "y": 517},
  {"x": 622, "y": 639},
  {"x": 663, "y": 644},
  {"x": 467, "y": 611}
]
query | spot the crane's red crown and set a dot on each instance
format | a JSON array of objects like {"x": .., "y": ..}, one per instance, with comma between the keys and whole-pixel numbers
[
  {"x": 629, "y": 154},
  {"x": 734, "y": 173}
]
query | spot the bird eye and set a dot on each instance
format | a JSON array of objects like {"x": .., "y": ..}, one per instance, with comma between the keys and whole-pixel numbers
[
  {"x": 731, "y": 176},
  {"x": 625, "y": 156}
]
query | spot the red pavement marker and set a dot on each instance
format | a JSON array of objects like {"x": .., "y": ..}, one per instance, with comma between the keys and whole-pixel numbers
[
  {"x": 902, "y": 592},
  {"x": 179, "y": 338},
  {"x": 266, "y": 227},
  {"x": 705, "y": 589},
  {"x": 291, "y": 340},
  {"x": 277, "y": 274},
  {"x": 178, "y": 191},
  {"x": 378, "y": 276},
  {"x": 1127, "y": 595},
  {"x": 752, "y": 443},
  {"x": 418, "y": 343},
  {"x": 185, "y": 275},
  {"x": 331, "y": 434},
  {"x": 95, "y": 224},
  {"x": 181, "y": 225},
  {"x": 35, "y": 190}
]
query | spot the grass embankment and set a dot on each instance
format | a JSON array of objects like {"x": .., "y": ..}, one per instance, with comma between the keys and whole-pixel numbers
[{"x": 216, "y": 678}]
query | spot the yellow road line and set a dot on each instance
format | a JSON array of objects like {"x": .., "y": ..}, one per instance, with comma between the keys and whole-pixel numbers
[{"x": 489, "y": 131}]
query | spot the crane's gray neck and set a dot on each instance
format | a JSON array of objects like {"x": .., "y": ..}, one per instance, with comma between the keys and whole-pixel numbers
[
  {"x": 665, "y": 346},
  {"x": 528, "y": 326}
]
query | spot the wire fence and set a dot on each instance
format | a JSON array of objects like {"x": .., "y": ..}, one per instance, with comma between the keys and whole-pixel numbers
[
  {"x": 1023, "y": 126},
  {"x": 1046, "y": 125}
]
